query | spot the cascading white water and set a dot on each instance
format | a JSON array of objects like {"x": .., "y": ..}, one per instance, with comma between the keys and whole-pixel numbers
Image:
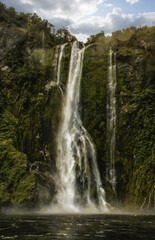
[
  {"x": 78, "y": 178},
  {"x": 61, "y": 51},
  {"x": 111, "y": 120},
  {"x": 43, "y": 46},
  {"x": 57, "y": 64}
]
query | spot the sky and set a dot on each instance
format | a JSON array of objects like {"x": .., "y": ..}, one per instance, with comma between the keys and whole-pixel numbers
[{"x": 88, "y": 17}]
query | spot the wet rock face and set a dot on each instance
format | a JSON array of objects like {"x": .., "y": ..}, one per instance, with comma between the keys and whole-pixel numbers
[
  {"x": 134, "y": 104},
  {"x": 134, "y": 134},
  {"x": 11, "y": 37},
  {"x": 30, "y": 106},
  {"x": 30, "y": 114}
]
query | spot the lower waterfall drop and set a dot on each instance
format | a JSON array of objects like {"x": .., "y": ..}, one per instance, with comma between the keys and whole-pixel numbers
[
  {"x": 111, "y": 120},
  {"x": 78, "y": 179}
]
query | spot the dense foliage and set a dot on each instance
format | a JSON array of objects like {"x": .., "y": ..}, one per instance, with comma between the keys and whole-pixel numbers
[
  {"x": 30, "y": 109},
  {"x": 135, "y": 94},
  {"x": 29, "y": 113}
]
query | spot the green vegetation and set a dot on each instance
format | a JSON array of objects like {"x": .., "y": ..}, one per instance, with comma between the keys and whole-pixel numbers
[
  {"x": 135, "y": 161},
  {"x": 93, "y": 96},
  {"x": 30, "y": 112},
  {"x": 135, "y": 124}
]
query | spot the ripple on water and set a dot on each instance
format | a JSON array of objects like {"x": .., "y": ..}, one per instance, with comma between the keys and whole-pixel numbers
[
  {"x": 77, "y": 227},
  {"x": 9, "y": 237}
]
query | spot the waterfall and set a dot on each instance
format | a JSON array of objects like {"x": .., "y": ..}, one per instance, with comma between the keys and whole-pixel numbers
[
  {"x": 78, "y": 179},
  {"x": 43, "y": 46},
  {"x": 61, "y": 51},
  {"x": 111, "y": 120},
  {"x": 57, "y": 64}
]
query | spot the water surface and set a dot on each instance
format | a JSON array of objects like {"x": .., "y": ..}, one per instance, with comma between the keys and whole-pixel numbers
[{"x": 50, "y": 227}]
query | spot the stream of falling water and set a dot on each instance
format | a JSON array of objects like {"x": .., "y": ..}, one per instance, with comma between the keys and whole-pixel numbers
[
  {"x": 57, "y": 65},
  {"x": 78, "y": 179},
  {"x": 111, "y": 120},
  {"x": 61, "y": 51}
]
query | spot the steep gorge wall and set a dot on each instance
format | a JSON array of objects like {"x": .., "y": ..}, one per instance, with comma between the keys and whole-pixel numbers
[
  {"x": 134, "y": 156},
  {"x": 30, "y": 109},
  {"x": 135, "y": 125},
  {"x": 93, "y": 103},
  {"x": 30, "y": 106}
]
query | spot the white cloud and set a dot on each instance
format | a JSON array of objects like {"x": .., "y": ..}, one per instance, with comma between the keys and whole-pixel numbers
[
  {"x": 108, "y": 5},
  {"x": 82, "y": 37},
  {"x": 82, "y": 16},
  {"x": 115, "y": 20},
  {"x": 146, "y": 18},
  {"x": 27, "y": 2},
  {"x": 117, "y": 10},
  {"x": 132, "y": 1},
  {"x": 75, "y": 9}
]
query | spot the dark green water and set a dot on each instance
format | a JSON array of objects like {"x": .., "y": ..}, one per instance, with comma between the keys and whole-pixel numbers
[{"x": 117, "y": 227}]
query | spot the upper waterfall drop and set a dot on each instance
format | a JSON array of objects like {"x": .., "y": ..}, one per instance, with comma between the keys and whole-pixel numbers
[
  {"x": 61, "y": 51},
  {"x": 78, "y": 178},
  {"x": 57, "y": 68},
  {"x": 111, "y": 120}
]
